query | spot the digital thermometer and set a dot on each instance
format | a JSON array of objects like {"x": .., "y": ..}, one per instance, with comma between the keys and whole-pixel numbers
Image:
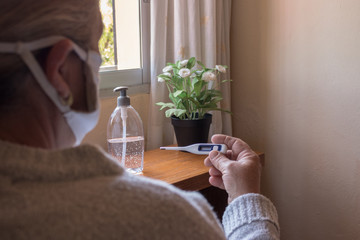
[{"x": 199, "y": 148}]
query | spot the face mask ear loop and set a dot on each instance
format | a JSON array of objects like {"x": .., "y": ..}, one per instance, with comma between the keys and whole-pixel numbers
[{"x": 39, "y": 75}]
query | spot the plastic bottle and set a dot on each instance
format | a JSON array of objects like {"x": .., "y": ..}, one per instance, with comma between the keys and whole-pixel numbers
[{"x": 125, "y": 134}]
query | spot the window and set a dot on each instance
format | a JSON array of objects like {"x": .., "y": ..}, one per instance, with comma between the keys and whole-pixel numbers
[{"x": 124, "y": 45}]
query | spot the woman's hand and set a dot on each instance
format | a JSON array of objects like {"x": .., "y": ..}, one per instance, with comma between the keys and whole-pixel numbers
[{"x": 238, "y": 171}]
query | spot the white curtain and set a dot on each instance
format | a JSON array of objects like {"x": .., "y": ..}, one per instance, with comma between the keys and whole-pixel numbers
[{"x": 181, "y": 29}]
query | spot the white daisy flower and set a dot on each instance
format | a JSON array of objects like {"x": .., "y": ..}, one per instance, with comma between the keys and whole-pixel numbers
[
  {"x": 160, "y": 79},
  {"x": 183, "y": 63},
  {"x": 220, "y": 68},
  {"x": 208, "y": 76},
  {"x": 184, "y": 72},
  {"x": 167, "y": 69},
  {"x": 167, "y": 74}
]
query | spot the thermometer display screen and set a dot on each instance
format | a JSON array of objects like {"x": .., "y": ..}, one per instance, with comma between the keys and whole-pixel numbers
[{"x": 205, "y": 148}]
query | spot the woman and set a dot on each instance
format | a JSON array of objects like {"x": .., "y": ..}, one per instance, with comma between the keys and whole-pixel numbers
[{"x": 50, "y": 188}]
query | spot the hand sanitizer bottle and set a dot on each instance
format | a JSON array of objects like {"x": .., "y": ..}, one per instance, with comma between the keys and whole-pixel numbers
[{"x": 125, "y": 134}]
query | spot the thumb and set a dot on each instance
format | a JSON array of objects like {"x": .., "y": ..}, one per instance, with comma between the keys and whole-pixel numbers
[{"x": 218, "y": 160}]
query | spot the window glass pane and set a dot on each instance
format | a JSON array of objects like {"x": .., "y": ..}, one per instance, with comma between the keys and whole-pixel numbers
[
  {"x": 123, "y": 45},
  {"x": 106, "y": 44},
  {"x": 127, "y": 17}
]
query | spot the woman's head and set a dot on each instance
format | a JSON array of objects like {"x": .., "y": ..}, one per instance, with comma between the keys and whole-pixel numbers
[
  {"x": 34, "y": 19},
  {"x": 78, "y": 20},
  {"x": 58, "y": 40}
]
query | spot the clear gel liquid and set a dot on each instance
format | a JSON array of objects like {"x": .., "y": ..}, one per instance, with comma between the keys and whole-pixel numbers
[{"x": 134, "y": 153}]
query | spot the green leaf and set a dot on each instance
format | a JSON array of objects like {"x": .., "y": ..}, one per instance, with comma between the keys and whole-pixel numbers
[
  {"x": 218, "y": 109},
  {"x": 204, "y": 95},
  {"x": 226, "y": 80},
  {"x": 198, "y": 85},
  {"x": 194, "y": 81},
  {"x": 171, "y": 96},
  {"x": 191, "y": 63},
  {"x": 164, "y": 105},
  {"x": 180, "y": 94},
  {"x": 176, "y": 112},
  {"x": 159, "y": 103},
  {"x": 178, "y": 81},
  {"x": 214, "y": 92},
  {"x": 210, "y": 105},
  {"x": 201, "y": 64},
  {"x": 166, "y": 77},
  {"x": 193, "y": 100},
  {"x": 176, "y": 101},
  {"x": 216, "y": 99}
]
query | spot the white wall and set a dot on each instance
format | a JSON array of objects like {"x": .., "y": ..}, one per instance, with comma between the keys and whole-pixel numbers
[{"x": 296, "y": 96}]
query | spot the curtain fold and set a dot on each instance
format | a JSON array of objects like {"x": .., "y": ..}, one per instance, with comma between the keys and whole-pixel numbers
[{"x": 181, "y": 29}]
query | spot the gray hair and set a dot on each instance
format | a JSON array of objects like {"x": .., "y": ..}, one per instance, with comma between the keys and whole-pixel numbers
[{"x": 27, "y": 20}]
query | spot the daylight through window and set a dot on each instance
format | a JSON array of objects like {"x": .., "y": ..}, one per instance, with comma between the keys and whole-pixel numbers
[{"x": 124, "y": 45}]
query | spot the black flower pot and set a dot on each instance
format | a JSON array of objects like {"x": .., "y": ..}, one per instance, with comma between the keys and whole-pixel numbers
[{"x": 191, "y": 131}]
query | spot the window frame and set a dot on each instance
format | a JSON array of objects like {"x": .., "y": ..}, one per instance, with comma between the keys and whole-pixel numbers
[{"x": 138, "y": 79}]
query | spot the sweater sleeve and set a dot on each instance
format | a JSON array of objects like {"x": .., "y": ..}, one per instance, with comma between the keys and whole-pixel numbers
[{"x": 251, "y": 216}]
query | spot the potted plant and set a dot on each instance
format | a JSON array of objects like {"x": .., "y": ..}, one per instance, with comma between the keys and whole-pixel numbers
[{"x": 193, "y": 94}]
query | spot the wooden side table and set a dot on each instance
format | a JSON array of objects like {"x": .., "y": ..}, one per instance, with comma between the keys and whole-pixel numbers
[{"x": 186, "y": 171}]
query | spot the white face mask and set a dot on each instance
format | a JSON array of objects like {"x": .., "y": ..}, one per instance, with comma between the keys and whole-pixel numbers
[{"x": 79, "y": 122}]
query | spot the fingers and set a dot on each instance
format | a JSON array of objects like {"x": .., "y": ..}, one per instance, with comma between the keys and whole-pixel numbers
[
  {"x": 237, "y": 147},
  {"x": 229, "y": 154},
  {"x": 216, "y": 182},
  {"x": 207, "y": 162},
  {"x": 228, "y": 140},
  {"x": 215, "y": 175},
  {"x": 214, "y": 172},
  {"x": 218, "y": 138},
  {"x": 218, "y": 160}
]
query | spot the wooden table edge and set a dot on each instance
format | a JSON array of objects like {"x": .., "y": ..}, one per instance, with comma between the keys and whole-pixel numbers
[{"x": 193, "y": 183}]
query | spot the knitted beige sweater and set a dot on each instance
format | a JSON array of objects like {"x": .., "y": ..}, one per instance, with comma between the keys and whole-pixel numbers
[{"x": 82, "y": 193}]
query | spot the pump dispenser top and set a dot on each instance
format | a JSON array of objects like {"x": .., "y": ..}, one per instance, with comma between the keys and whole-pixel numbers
[
  {"x": 123, "y": 99},
  {"x": 125, "y": 134}
]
